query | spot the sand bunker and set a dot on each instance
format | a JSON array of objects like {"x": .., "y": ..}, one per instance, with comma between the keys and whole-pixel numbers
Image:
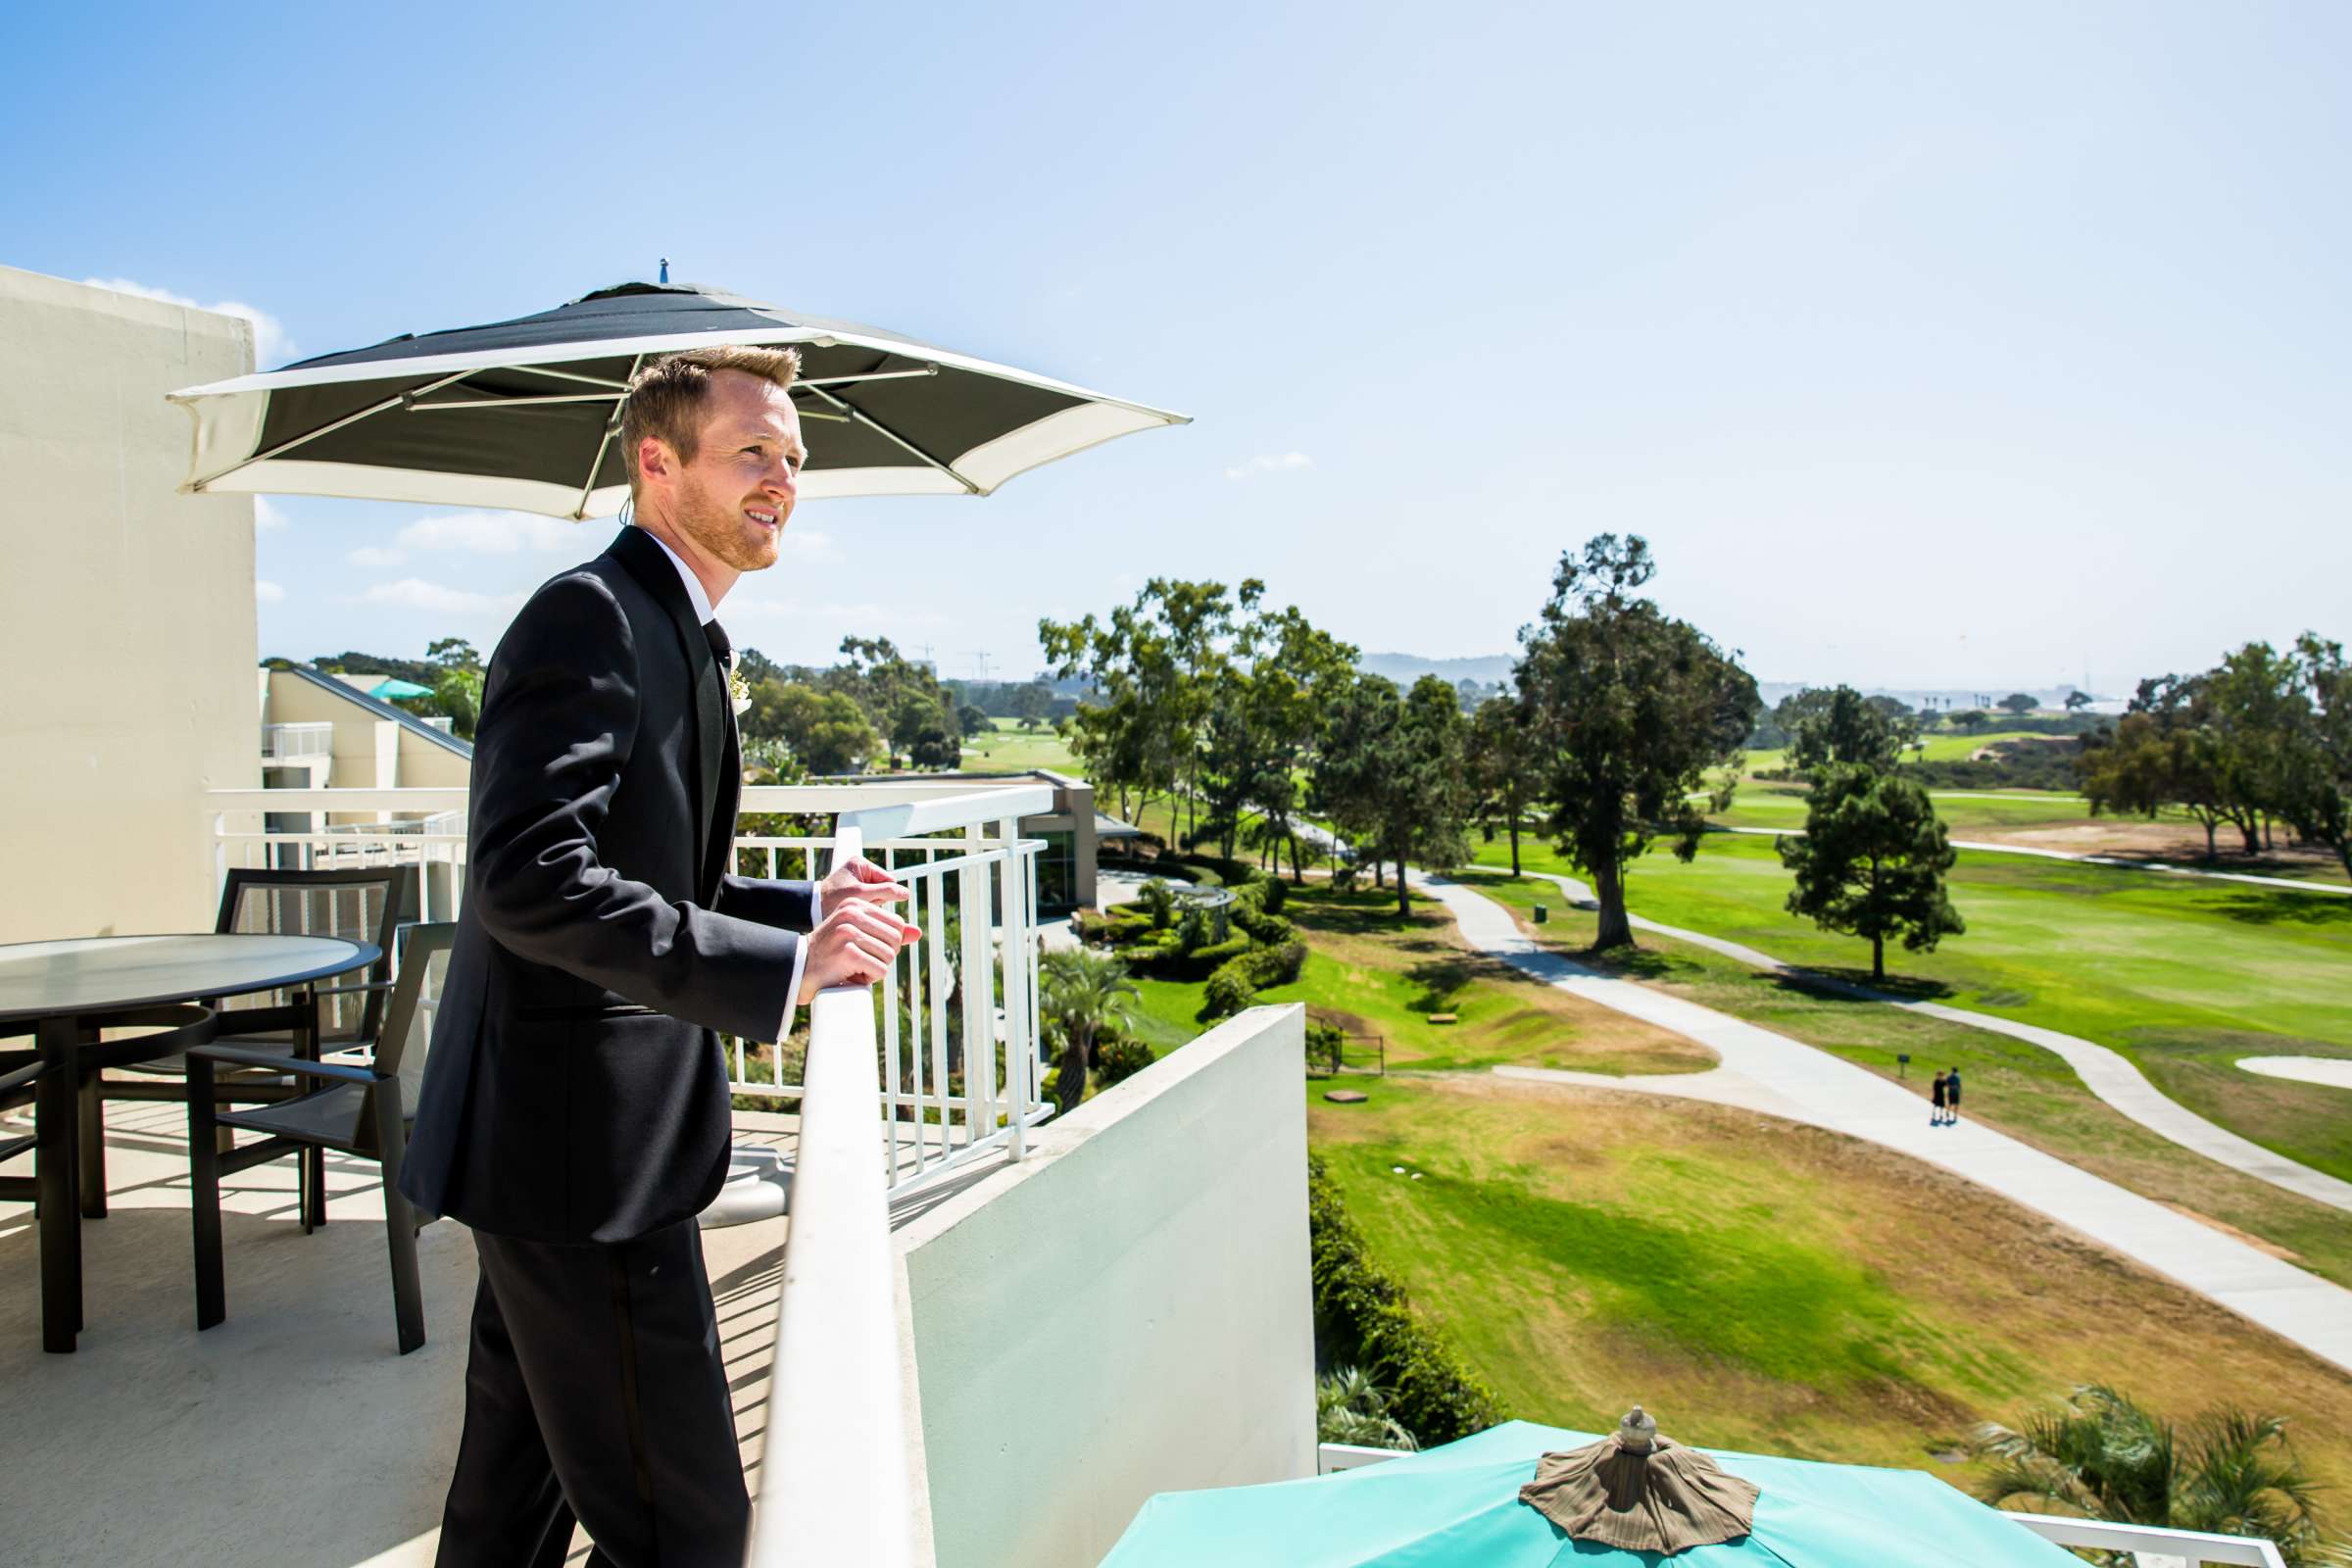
[{"x": 2333, "y": 1071}]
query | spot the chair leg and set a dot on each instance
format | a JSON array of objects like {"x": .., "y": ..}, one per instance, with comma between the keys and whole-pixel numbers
[
  {"x": 92, "y": 1139},
  {"x": 314, "y": 1182},
  {"x": 399, "y": 1221},
  {"x": 54, "y": 1126},
  {"x": 204, "y": 1195}
]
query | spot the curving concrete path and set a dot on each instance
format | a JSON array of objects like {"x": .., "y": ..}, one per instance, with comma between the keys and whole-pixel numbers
[
  {"x": 1772, "y": 1073},
  {"x": 2105, "y": 1072}
]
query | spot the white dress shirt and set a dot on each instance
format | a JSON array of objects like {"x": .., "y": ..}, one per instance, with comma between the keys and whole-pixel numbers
[{"x": 705, "y": 612}]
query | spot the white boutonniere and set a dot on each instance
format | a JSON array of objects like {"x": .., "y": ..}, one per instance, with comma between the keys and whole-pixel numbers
[{"x": 739, "y": 690}]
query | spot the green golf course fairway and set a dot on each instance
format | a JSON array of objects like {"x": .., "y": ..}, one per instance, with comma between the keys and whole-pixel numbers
[
  {"x": 1767, "y": 1285},
  {"x": 2181, "y": 977}
]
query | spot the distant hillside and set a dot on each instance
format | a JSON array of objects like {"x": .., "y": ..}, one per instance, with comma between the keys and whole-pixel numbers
[{"x": 1407, "y": 668}]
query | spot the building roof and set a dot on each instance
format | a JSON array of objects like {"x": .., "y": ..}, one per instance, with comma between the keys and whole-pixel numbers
[{"x": 382, "y": 710}]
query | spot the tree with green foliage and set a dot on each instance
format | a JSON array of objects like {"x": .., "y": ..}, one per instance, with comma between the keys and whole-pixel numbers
[
  {"x": 2019, "y": 703},
  {"x": 1081, "y": 994},
  {"x": 903, "y": 700},
  {"x": 2254, "y": 712},
  {"x": 1266, "y": 703},
  {"x": 2165, "y": 752},
  {"x": 2102, "y": 1455},
  {"x": 1148, "y": 670},
  {"x": 1631, "y": 709},
  {"x": 456, "y": 683},
  {"x": 826, "y": 729},
  {"x": 1968, "y": 720},
  {"x": 2316, "y": 772},
  {"x": 1390, "y": 773},
  {"x": 1500, "y": 758},
  {"x": 1872, "y": 861},
  {"x": 1845, "y": 728},
  {"x": 2077, "y": 701}
]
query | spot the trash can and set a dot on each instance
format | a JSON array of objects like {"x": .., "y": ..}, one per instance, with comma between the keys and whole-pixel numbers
[{"x": 1542, "y": 916}]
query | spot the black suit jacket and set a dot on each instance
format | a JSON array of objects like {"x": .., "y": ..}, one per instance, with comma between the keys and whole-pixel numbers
[{"x": 575, "y": 1090}]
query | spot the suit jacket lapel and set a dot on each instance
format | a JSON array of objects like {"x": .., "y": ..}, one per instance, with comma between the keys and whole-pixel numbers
[{"x": 650, "y": 564}]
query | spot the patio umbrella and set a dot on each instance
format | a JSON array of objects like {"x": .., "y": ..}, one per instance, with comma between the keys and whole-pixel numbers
[
  {"x": 1459, "y": 1505},
  {"x": 520, "y": 415},
  {"x": 393, "y": 689}
]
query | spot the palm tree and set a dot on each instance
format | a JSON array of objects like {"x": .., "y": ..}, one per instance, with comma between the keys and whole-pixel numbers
[
  {"x": 1081, "y": 993},
  {"x": 1350, "y": 1408},
  {"x": 2101, "y": 1454}
]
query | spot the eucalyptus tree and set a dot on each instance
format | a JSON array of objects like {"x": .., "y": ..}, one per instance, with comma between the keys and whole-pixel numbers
[
  {"x": 1150, "y": 667},
  {"x": 1390, "y": 774},
  {"x": 1501, "y": 758},
  {"x": 2318, "y": 775},
  {"x": 1845, "y": 728},
  {"x": 1632, "y": 710}
]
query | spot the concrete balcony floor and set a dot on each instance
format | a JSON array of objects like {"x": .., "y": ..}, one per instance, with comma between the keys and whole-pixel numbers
[{"x": 291, "y": 1433}]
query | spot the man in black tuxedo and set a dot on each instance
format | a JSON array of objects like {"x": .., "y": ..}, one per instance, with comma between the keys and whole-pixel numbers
[{"x": 574, "y": 1112}]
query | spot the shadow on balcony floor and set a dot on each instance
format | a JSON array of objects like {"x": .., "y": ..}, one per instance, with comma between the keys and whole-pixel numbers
[{"x": 292, "y": 1434}]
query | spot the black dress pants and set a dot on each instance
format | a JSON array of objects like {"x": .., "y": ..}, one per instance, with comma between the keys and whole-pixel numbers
[{"x": 596, "y": 1391}]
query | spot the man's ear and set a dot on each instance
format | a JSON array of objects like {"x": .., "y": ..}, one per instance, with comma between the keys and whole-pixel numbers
[{"x": 655, "y": 459}]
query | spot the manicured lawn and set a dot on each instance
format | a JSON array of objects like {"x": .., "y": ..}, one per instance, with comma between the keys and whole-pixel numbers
[
  {"x": 1006, "y": 748},
  {"x": 2183, "y": 976},
  {"x": 1766, "y": 1286},
  {"x": 2021, "y": 1088},
  {"x": 1781, "y": 803}
]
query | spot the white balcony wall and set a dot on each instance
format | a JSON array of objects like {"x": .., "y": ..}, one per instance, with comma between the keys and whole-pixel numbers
[
  {"x": 127, "y": 614},
  {"x": 1126, "y": 1311}
]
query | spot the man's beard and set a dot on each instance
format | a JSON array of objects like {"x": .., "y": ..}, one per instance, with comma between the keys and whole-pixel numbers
[{"x": 722, "y": 529}]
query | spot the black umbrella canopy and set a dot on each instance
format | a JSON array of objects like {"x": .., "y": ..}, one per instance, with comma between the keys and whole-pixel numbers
[{"x": 521, "y": 414}]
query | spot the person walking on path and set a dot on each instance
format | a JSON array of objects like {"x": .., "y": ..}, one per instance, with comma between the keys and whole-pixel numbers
[
  {"x": 1952, "y": 1097},
  {"x": 574, "y": 1111},
  {"x": 1935, "y": 1117}
]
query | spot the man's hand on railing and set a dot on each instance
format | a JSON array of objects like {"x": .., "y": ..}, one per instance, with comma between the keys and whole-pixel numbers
[
  {"x": 859, "y": 878},
  {"x": 853, "y": 945}
]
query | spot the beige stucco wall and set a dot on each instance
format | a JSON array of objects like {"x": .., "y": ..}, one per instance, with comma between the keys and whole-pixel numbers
[
  {"x": 1128, "y": 1311},
  {"x": 110, "y": 571}
]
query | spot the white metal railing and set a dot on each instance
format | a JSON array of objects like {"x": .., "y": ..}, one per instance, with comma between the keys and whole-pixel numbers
[
  {"x": 960, "y": 1062},
  {"x": 280, "y": 742},
  {"x": 2152, "y": 1545},
  {"x": 837, "y": 1480}
]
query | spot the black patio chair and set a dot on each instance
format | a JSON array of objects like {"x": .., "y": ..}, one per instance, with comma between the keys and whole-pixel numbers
[
  {"x": 366, "y": 905},
  {"x": 360, "y": 1109}
]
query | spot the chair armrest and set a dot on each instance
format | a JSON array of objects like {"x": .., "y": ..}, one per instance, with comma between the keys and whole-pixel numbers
[
  {"x": 21, "y": 1076},
  {"x": 237, "y": 1056}
]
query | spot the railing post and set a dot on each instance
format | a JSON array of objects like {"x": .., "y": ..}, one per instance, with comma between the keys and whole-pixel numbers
[{"x": 1014, "y": 945}]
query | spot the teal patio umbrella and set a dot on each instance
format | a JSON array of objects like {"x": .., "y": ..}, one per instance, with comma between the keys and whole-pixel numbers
[
  {"x": 1458, "y": 1506},
  {"x": 393, "y": 689}
]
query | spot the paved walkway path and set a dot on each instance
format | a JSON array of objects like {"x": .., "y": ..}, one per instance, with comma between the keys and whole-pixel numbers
[
  {"x": 1772, "y": 1073},
  {"x": 2106, "y": 1073},
  {"x": 2118, "y": 863}
]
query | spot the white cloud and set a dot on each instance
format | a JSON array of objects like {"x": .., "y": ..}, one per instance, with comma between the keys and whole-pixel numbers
[
  {"x": 372, "y": 556},
  {"x": 1271, "y": 462},
  {"x": 498, "y": 534},
  {"x": 416, "y": 593},
  {"x": 267, "y": 593},
  {"x": 267, "y": 515},
  {"x": 272, "y": 346}
]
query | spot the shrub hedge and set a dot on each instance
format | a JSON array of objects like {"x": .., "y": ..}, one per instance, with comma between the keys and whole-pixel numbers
[
  {"x": 1363, "y": 1319},
  {"x": 1119, "y": 1057}
]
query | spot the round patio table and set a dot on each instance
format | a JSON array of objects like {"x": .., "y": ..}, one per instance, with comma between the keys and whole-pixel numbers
[{"x": 65, "y": 988}]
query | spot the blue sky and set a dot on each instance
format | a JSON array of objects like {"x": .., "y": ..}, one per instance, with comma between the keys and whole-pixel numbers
[{"x": 1979, "y": 346}]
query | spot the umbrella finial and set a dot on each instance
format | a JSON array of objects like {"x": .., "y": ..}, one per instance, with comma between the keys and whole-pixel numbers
[
  {"x": 1637, "y": 1433},
  {"x": 664, "y": 269}
]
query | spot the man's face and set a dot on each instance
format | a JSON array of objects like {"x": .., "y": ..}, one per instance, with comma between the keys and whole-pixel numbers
[{"x": 735, "y": 496}]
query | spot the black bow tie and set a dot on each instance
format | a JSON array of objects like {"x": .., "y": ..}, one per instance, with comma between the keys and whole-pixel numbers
[{"x": 721, "y": 648}]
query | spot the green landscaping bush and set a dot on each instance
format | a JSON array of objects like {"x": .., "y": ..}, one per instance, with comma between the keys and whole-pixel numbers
[
  {"x": 1324, "y": 1043},
  {"x": 1363, "y": 1319},
  {"x": 1119, "y": 1058},
  {"x": 1241, "y": 978},
  {"x": 1192, "y": 932}
]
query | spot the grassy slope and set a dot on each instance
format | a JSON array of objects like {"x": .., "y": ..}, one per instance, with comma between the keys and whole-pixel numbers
[
  {"x": 2181, "y": 977},
  {"x": 1379, "y": 974},
  {"x": 1007, "y": 747},
  {"x": 2018, "y": 1087},
  {"x": 1767, "y": 1285}
]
